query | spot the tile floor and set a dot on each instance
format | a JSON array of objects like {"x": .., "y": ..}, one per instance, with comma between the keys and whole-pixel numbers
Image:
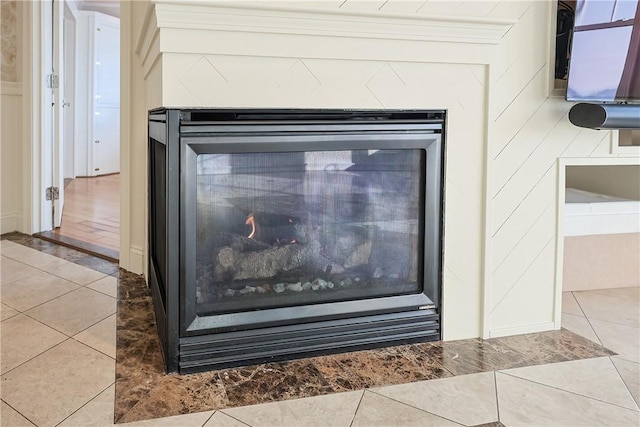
[{"x": 58, "y": 366}]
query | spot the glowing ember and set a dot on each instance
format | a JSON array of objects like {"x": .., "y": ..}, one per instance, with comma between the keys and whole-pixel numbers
[{"x": 251, "y": 221}]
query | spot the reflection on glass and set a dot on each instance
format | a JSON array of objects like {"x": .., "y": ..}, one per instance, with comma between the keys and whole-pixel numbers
[
  {"x": 293, "y": 228},
  {"x": 597, "y": 62},
  {"x": 590, "y": 12}
]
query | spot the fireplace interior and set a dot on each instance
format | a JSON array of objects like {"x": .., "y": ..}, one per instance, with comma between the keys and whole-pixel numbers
[{"x": 279, "y": 234}]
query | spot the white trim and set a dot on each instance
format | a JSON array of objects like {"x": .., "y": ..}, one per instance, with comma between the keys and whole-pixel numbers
[
  {"x": 352, "y": 23},
  {"x": 10, "y": 222},
  {"x": 11, "y": 88},
  {"x": 485, "y": 325},
  {"x": 32, "y": 116},
  {"x": 256, "y": 20},
  {"x": 623, "y": 150},
  {"x": 561, "y": 185},
  {"x": 125, "y": 134},
  {"x": 136, "y": 260},
  {"x": 526, "y": 329}
]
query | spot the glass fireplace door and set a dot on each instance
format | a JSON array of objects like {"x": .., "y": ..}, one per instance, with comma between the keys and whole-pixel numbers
[{"x": 284, "y": 229}]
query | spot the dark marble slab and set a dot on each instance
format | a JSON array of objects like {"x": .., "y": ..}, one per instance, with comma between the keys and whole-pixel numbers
[
  {"x": 67, "y": 253},
  {"x": 491, "y": 424},
  {"x": 79, "y": 245},
  {"x": 144, "y": 391}
]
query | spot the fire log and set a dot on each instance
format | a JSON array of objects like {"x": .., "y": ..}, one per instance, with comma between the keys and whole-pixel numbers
[{"x": 268, "y": 263}]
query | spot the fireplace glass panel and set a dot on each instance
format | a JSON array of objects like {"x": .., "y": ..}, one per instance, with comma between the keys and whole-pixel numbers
[{"x": 296, "y": 228}]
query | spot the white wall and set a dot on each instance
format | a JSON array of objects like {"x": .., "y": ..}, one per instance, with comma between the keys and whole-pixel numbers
[
  {"x": 10, "y": 156},
  {"x": 11, "y": 179}
]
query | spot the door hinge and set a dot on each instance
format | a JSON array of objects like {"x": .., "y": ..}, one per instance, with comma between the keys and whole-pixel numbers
[
  {"x": 52, "y": 193},
  {"x": 53, "y": 82}
]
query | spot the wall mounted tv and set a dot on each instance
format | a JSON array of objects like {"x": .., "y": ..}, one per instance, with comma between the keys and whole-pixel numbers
[{"x": 605, "y": 52}]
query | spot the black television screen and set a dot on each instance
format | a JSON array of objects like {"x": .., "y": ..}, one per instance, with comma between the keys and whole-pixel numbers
[{"x": 605, "y": 52}]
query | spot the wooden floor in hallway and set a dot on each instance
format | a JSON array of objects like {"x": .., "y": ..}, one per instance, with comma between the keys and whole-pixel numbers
[{"x": 91, "y": 213}]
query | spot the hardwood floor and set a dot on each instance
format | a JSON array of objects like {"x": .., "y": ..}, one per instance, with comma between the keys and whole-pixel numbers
[{"x": 91, "y": 212}]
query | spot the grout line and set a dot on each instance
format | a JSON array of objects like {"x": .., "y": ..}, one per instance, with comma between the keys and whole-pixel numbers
[
  {"x": 568, "y": 391},
  {"x": 89, "y": 401},
  {"x": 588, "y": 320},
  {"x": 230, "y": 416},
  {"x": 37, "y": 355},
  {"x": 21, "y": 414},
  {"x": 412, "y": 406},
  {"x": 624, "y": 382},
  {"x": 357, "y": 409},
  {"x": 495, "y": 382}
]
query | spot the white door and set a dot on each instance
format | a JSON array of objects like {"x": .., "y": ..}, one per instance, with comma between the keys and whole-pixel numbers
[{"x": 105, "y": 146}]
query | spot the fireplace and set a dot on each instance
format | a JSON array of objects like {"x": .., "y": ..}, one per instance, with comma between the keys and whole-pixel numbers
[{"x": 280, "y": 234}]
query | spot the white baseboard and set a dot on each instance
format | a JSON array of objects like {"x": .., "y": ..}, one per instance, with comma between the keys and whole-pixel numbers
[
  {"x": 11, "y": 88},
  {"x": 136, "y": 260},
  {"x": 519, "y": 330},
  {"x": 10, "y": 222}
]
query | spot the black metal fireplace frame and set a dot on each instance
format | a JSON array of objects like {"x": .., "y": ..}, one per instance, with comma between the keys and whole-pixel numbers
[{"x": 192, "y": 343}]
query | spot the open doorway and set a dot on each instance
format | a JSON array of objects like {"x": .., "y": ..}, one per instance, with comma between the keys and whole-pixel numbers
[{"x": 90, "y": 84}]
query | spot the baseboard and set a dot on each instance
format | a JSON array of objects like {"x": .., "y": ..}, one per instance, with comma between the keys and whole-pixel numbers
[
  {"x": 136, "y": 260},
  {"x": 10, "y": 222},
  {"x": 11, "y": 88},
  {"x": 519, "y": 330}
]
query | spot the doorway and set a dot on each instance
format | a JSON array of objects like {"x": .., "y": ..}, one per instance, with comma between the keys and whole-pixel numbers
[{"x": 90, "y": 109}]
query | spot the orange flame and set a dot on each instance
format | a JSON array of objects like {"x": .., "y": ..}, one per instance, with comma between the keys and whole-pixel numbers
[{"x": 251, "y": 221}]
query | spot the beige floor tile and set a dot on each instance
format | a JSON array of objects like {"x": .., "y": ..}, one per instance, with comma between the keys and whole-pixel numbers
[
  {"x": 97, "y": 413},
  {"x": 4, "y": 244},
  {"x": 10, "y": 418},
  {"x": 75, "y": 311},
  {"x": 7, "y": 312},
  {"x": 24, "y": 338},
  {"x": 376, "y": 410},
  {"x": 570, "y": 305},
  {"x": 101, "y": 336},
  {"x": 38, "y": 259},
  {"x": 632, "y": 293},
  {"x": 219, "y": 419},
  {"x": 12, "y": 270},
  {"x": 601, "y": 306},
  {"x": 16, "y": 251},
  {"x": 596, "y": 378},
  {"x": 55, "y": 384},
  {"x": 580, "y": 325},
  {"x": 189, "y": 420},
  {"x": 35, "y": 290},
  {"x": 525, "y": 403},
  {"x": 466, "y": 399},
  {"x": 76, "y": 273},
  {"x": 107, "y": 285},
  {"x": 622, "y": 339},
  {"x": 330, "y": 410},
  {"x": 630, "y": 373}
]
